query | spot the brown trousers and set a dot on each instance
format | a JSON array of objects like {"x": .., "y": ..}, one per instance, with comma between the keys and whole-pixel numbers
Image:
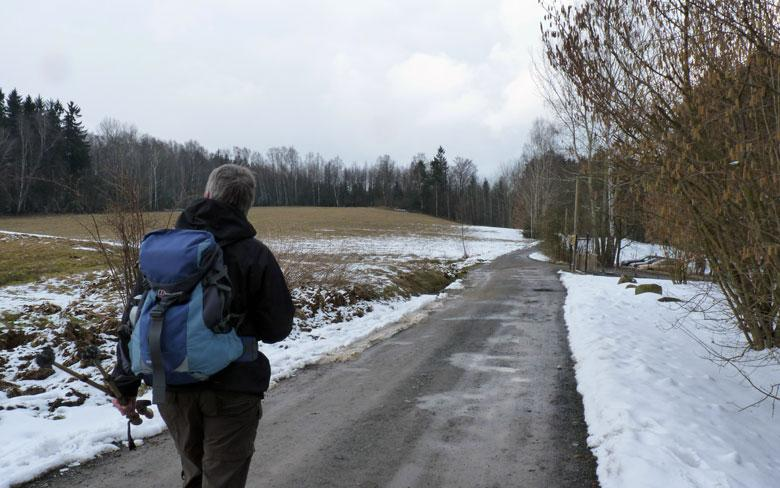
[{"x": 214, "y": 432}]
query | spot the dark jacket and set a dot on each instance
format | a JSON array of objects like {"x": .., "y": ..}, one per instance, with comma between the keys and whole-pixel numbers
[{"x": 259, "y": 292}]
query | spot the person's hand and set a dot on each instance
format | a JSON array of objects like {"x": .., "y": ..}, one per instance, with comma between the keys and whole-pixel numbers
[{"x": 127, "y": 409}]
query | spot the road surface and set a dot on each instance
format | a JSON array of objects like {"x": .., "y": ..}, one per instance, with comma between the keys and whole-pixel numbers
[{"x": 479, "y": 393}]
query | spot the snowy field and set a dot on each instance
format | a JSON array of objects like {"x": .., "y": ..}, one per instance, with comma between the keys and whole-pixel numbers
[
  {"x": 660, "y": 412},
  {"x": 39, "y": 433}
]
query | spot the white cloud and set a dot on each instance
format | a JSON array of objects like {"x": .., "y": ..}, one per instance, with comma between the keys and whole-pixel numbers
[
  {"x": 519, "y": 101},
  {"x": 429, "y": 75}
]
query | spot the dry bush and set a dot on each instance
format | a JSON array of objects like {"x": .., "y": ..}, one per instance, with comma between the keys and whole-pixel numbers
[
  {"x": 127, "y": 223},
  {"x": 306, "y": 267},
  {"x": 693, "y": 89}
]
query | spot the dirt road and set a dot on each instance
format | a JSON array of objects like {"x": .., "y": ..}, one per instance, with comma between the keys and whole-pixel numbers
[{"x": 480, "y": 393}]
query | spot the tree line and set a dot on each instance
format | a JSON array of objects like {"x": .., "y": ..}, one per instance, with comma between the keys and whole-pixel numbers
[
  {"x": 43, "y": 150},
  {"x": 49, "y": 163}
]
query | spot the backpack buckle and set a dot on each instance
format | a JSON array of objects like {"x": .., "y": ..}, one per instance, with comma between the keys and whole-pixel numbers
[{"x": 158, "y": 311}]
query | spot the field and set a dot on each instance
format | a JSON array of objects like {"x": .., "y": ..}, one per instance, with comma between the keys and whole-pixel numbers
[
  {"x": 270, "y": 222},
  {"x": 296, "y": 234}
]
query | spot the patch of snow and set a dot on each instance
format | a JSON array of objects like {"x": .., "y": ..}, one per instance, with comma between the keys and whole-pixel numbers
[
  {"x": 34, "y": 442},
  {"x": 455, "y": 285},
  {"x": 56, "y": 290},
  {"x": 659, "y": 411},
  {"x": 47, "y": 236},
  {"x": 302, "y": 349},
  {"x": 84, "y": 248},
  {"x": 538, "y": 256}
]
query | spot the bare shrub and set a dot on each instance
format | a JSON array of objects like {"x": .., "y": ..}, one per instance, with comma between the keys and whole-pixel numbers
[
  {"x": 305, "y": 266},
  {"x": 118, "y": 233},
  {"x": 693, "y": 90}
]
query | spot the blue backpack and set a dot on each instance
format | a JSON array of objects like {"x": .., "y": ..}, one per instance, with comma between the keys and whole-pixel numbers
[{"x": 183, "y": 331}]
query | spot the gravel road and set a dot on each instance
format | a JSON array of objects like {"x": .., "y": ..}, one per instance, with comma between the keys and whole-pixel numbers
[{"x": 480, "y": 392}]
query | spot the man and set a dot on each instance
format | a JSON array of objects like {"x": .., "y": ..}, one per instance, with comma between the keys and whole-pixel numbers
[{"x": 214, "y": 423}]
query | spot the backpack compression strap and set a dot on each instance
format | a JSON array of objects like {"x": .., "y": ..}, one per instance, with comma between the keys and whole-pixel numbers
[{"x": 155, "y": 350}]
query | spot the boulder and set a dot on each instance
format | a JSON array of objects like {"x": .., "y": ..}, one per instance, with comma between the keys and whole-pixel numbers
[
  {"x": 669, "y": 299},
  {"x": 648, "y": 288},
  {"x": 626, "y": 279}
]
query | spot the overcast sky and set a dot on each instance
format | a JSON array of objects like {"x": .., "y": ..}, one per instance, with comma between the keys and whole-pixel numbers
[{"x": 355, "y": 78}]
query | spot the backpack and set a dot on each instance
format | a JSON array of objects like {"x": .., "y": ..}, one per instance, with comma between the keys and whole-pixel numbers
[{"x": 183, "y": 331}]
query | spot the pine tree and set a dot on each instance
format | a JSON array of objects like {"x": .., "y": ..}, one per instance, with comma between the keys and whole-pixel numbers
[
  {"x": 14, "y": 109},
  {"x": 76, "y": 146},
  {"x": 439, "y": 178},
  {"x": 29, "y": 106}
]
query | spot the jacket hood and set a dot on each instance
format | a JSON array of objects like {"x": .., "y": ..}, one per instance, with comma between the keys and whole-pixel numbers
[{"x": 228, "y": 224}]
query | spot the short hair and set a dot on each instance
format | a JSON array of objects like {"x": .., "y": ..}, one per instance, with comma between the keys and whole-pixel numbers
[{"x": 233, "y": 185}]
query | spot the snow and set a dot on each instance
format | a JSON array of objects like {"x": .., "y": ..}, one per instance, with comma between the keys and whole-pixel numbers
[
  {"x": 299, "y": 350},
  {"x": 35, "y": 444},
  {"x": 538, "y": 256},
  {"x": 636, "y": 250},
  {"x": 455, "y": 285},
  {"x": 660, "y": 411},
  {"x": 485, "y": 243},
  {"x": 53, "y": 291},
  {"x": 48, "y": 236},
  {"x": 36, "y": 440}
]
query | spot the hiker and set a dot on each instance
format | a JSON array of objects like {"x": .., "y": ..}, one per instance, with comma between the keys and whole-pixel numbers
[{"x": 213, "y": 421}]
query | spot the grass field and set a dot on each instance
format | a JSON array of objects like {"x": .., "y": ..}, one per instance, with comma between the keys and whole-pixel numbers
[
  {"x": 305, "y": 238},
  {"x": 270, "y": 222},
  {"x": 24, "y": 259}
]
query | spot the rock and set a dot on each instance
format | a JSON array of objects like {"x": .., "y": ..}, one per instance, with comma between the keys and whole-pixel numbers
[
  {"x": 648, "y": 288},
  {"x": 626, "y": 279},
  {"x": 631, "y": 285},
  {"x": 669, "y": 299}
]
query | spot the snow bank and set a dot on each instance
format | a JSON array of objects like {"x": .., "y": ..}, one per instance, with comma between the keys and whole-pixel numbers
[
  {"x": 299, "y": 350},
  {"x": 660, "y": 413}
]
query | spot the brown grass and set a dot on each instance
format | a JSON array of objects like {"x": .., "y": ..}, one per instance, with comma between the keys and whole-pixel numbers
[
  {"x": 270, "y": 222},
  {"x": 29, "y": 259}
]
